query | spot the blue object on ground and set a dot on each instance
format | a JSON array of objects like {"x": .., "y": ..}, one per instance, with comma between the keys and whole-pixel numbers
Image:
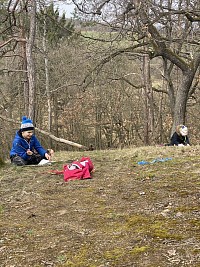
[
  {"x": 160, "y": 160},
  {"x": 153, "y": 161},
  {"x": 143, "y": 162}
]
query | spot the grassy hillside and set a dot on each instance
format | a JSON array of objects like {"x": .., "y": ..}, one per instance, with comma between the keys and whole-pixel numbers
[{"x": 127, "y": 215}]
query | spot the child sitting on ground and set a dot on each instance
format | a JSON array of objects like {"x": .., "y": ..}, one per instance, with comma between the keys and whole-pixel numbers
[
  {"x": 26, "y": 149},
  {"x": 180, "y": 138}
]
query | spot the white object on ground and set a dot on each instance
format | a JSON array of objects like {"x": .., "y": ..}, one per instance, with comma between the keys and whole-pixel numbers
[
  {"x": 44, "y": 162},
  {"x": 180, "y": 144}
]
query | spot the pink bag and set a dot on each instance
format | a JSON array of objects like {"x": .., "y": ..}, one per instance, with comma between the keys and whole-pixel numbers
[{"x": 78, "y": 169}]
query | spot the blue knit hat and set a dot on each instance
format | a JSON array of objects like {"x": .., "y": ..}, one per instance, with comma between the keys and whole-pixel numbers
[{"x": 26, "y": 124}]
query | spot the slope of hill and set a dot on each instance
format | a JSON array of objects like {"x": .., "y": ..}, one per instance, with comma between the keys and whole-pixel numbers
[{"x": 127, "y": 215}]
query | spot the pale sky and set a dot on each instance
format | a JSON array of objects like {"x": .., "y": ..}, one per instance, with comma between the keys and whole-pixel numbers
[{"x": 67, "y": 8}]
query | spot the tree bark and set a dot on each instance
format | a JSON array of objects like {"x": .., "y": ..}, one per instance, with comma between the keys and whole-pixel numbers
[
  {"x": 181, "y": 98},
  {"x": 46, "y": 64},
  {"x": 148, "y": 99},
  {"x": 30, "y": 60}
]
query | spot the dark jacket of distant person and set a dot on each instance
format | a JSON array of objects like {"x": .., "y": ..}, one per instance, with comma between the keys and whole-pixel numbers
[{"x": 180, "y": 136}]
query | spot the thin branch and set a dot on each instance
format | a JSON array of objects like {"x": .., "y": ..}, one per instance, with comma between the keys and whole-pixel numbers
[
  {"x": 97, "y": 12},
  {"x": 7, "y": 70},
  {"x": 107, "y": 59},
  {"x": 12, "y": 39}
]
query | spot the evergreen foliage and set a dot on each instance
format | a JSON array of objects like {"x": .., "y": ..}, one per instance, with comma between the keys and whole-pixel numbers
[{"x": 57, "y": 27}]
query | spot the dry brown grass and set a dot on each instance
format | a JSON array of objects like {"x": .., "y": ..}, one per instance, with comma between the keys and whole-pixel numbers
[{"x": 127, "y": 215}]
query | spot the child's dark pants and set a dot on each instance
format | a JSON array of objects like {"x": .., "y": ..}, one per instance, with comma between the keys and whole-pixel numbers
[{"x": 33, "y": 160}]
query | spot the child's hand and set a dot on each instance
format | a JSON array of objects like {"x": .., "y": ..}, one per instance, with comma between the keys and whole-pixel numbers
[
  {"x": 29, "y": 152},
  {"x": 47, "y": 156},
  {"x": 50, "y": 152}
]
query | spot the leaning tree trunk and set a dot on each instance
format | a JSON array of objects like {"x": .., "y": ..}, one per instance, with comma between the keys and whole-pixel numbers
[
  {"x": 30, "y": 60},
  {"x": 57, "y": 139},
  {"x": 181, "y": 99}
]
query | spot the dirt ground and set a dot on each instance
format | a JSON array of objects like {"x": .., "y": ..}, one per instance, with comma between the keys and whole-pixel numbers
[{"x": 126, "y": 215}]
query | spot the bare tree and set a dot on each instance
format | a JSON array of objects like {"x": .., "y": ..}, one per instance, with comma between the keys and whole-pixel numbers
[
  {"x": 165, "y": 26},
  {"x": 18, "y": 33}
]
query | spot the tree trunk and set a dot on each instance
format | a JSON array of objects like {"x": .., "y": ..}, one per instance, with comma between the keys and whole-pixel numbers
[
  {"x": 181, "y": 99},
  {"x": 25, "y": 81},
  {"x": 98, "y": 127},
  {"x": 30, "y": 60},
  {"x": 148, "y": 95},
  {"x": 46, "y": 64}
]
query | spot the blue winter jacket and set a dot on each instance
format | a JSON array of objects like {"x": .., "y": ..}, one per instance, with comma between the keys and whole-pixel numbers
[{"x": 20, "y": 146}]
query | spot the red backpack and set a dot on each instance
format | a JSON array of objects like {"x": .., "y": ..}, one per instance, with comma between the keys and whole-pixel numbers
[{"x": 77, "y": 170}]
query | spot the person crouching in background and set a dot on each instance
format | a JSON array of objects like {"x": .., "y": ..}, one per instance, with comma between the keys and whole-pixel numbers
[
  {"x": 26, "y": 149},
  {"x": 180, "y": 136}
]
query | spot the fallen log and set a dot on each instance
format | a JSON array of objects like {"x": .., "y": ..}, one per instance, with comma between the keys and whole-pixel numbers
[{"x": 53, "y": 137}]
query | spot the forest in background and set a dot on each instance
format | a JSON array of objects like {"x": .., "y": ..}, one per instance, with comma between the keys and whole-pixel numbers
[{"x": 118, "y": 74}]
